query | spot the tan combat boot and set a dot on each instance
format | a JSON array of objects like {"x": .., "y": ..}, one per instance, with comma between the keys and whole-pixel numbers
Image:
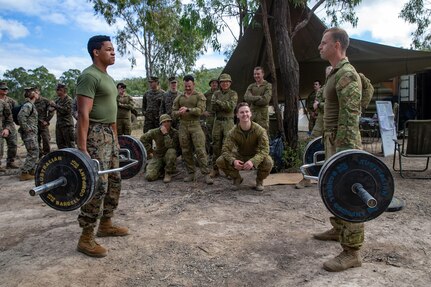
[
  {"x": 236, "y": 183},
  {"x": 12, "y": 165},
  {"x": 89, "y": 246},
  {"x": 259, "y": 184},
  {"x": 25, "y": 176},
  {"x": 107, "y": 229},
  {"x": 190, "y": 177},
  {"x": 303, "y": 184},
  {"x": 167, "y": 178},
  {"x": 329, "y": 235},
  {"x": 208, "y": 179},
  {"x": 215, "y": 173},
  {"x": 349, "y": 258}
]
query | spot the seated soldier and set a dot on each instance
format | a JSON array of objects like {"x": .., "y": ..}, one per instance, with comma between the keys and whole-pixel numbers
[
  {"x": 164, "y": 155},
  {"x": 246, "y": 147}
]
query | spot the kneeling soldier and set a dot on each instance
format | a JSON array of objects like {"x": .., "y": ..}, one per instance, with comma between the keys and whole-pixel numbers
[
  {"x": 246, "y": 147},
  {"x": 164, "y": 155}
]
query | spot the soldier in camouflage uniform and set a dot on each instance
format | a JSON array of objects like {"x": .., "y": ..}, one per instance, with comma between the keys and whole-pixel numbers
[
  {"x": 97, "y": 137},
  {"x": 258, "y": 96},
  {"x": 64, "y": 128},
  {"x": 151, "y": 102},
  {"x": 223, "y": 103},
  {"x": 246, "y": 147},
  {"x": 342, "y": 110},
  {"x": 188, "y": 107},
  {"x": 11, "y": 139},
  {"x": 45, "y": 115},
  {"x": 164, "y": 155},
  {"x": 28, "y": 118},
  {"x": 312, "y": 113},
  {"x": 207, "y": 119},
  {"x": 125, "y": 106},
  {"x": 6, "y": 122},
  {"x": 168, "y": 100}
]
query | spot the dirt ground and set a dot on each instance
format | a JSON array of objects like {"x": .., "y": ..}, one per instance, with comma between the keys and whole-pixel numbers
[{"x": 184, "y": 234}]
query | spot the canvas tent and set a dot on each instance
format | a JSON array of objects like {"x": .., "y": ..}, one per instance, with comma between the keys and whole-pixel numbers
[{"x": 377, "y": 62}]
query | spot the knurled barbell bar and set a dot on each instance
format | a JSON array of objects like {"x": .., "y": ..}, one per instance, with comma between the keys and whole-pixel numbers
[
  {"x": 66, "y": 179},
  {"x": 354, "y": 185}
]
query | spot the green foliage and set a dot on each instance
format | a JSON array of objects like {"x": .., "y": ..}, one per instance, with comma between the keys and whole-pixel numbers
[
  {"x": 418, "y": 12},
  {"x": 293, "y": 157},
  {"x": 69, "y": 79}
]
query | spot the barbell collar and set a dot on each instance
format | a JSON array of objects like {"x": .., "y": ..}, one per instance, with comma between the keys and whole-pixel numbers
[
  {"x": 364, "y": 195},
  {"x": 38, "y": 190}
]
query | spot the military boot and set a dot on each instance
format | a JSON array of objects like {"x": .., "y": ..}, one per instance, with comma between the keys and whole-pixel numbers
[
  {"x": 303, "y": 184},
  {"x": 12, "y": 165},
  {"x": 349, "y": 258},
  {"x": 236, "y": 183},
  {"x": 167, "y": 178},
  {"x": 259, "y": 184},
  {"x": 208, "y": 179},
  {"x": 329, "y": 235},
  {"x": 107, "y": 229},
  {"x": 25, "y": 176},
  {"x": 215, "y": 173},
  {"x": 190, "y": 177},
  {"x": 89, "y": 246},
  {"x": 2, "y": 169}
]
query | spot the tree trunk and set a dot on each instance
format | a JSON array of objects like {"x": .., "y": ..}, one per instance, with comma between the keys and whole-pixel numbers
[
  {"x": 271, "y": 64},
  {"x": 289, "y": 71}
]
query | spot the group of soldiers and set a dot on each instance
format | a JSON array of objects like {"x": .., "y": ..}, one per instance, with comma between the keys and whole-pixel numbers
[
  {"x": 33, "y": 119},
  {"x": 200, "y": 127}
]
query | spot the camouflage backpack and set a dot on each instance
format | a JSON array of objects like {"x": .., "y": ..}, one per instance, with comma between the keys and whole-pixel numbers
[{"x": 367, "y": 91}]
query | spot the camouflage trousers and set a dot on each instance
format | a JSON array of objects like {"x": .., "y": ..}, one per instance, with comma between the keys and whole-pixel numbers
[
  {"x": 32, "y": 147},
  {"x": 351, "y": 234},
  {"x": 318, "y": 127},
  {"x": 220, "y": 131},
  {"x": 157, "y": 166},
  {"x": 207, "y": 127},
  {"x": 124, "y": 127},
  {"x": 261, "y": 118},
  {"x": 11, "y": 144},
  {"x": 263, "y": 169},
  {"x": 43, "y": 139},
  {"x": 191, "y": 137},
  {"x": 151, "y": 120},
  {"x": 311, "y": 123},
  {"x": 101, "y": 145},
  {"x": 65, "y": 136}
]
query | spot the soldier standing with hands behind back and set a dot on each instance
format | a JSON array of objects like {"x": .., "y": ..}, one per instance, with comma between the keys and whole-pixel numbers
[
  {"x": 64, "y": 128},
  {"x": 151, "y": 102},
  {"x": 342, "y": 93}
]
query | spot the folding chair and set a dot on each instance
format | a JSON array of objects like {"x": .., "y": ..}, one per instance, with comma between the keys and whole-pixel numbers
[{"x": 415, "y": 143}]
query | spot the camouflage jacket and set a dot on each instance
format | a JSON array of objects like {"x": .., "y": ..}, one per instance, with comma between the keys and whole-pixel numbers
[
  {"x": 28, "y": 117},
  {"x": 196, "y": 104},
  {"x": 167, "y": 102},
  {"x": 43, "y": 110},
  {"x": 151, "y": 101},
  {"x": 223, "y": 103},
  {"x": 125, "y": 106},
  {"x": 64, "y": 111},
  {"x": 163, "y": 142},
  {"x": 253, "y": 144},
  {"x": 6, "y": 121},
  {"x": 208, "y": 95},
  {"x": 342, "y": 93}
]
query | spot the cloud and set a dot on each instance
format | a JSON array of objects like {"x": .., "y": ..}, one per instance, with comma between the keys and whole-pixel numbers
[{"x": 13, "y": 29}]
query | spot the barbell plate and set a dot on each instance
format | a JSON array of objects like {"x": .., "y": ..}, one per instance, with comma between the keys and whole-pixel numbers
[
  {"x": 79, "y": 171},
  {"x": 312, "y": 147},
  {"x": 342, "y": 171},
  {"x": 137, "y": 152}
]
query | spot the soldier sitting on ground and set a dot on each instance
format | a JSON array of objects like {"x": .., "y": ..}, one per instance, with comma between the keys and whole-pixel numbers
[
  {"x": 246, "y": 147},
  {"x": 164, "y": 155}
]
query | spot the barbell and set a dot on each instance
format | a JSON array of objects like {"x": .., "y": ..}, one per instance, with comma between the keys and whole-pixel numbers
[
  {"x": 314, "y": 152},
  {"x": 66, "y": 179},
  {"x": 354, "y": 185}
]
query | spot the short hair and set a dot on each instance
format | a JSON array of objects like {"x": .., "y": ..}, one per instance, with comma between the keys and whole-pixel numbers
[
  {"x": 96, "y": 42},
  {"x": 121, "y": 85},
  {"x": 259, "y": 68},
  {"x": 240, "y": 105},
  {"x": 320, "y": 83},
  {"x": 339, "y": 35},
  {"x": 188, "y": 78}
]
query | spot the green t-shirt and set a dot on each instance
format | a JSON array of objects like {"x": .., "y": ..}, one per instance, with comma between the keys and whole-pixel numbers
[{"x": 100, "y": 87}]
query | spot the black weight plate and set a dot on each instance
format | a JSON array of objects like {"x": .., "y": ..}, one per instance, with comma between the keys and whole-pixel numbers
[
  {"x": 344, "y": 169},
  {"x": 312, "y": 147},
  {"x": 137, "y": 152},
  {"x": 79, "y": 171}
]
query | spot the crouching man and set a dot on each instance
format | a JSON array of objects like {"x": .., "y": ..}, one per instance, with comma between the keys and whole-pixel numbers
[
  {"x": 164, "y": 155},
  {"x": 246, "y": 147}
]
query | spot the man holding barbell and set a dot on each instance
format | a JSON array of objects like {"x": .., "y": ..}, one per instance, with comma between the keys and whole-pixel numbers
[
  {"x": 342, "y": 93},
  {"x": 97, "y": 137}
]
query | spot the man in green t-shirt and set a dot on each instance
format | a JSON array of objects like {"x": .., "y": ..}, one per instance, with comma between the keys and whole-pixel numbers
[{"x": 96, "y": 133}]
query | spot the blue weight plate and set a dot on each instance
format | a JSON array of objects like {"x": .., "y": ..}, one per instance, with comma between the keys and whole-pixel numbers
[{"x": 312, "y": 147}]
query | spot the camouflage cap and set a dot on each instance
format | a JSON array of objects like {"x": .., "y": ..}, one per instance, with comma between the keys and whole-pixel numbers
[
  {"x": 3, "y": 86},
  {"x": 225, "y": 78},
  {"x": 172, "y": 80},
  {"x": 164, "y": 118},
  {"x": 153, "y": 79},
  {"x": 212, "y": 80}
]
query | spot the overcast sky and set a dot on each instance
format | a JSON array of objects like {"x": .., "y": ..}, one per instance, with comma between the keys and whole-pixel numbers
[{"x": 55, "y": 33}]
